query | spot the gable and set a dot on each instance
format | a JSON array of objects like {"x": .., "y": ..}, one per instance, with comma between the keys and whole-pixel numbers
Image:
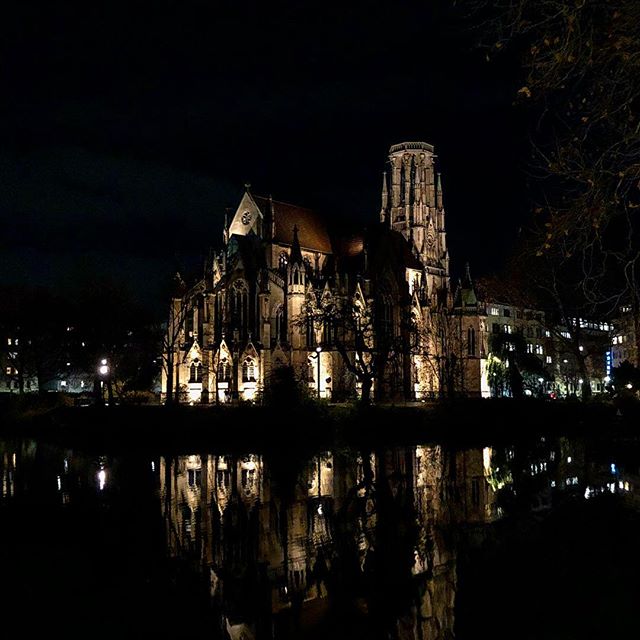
[{"x": 247, "y": 217}]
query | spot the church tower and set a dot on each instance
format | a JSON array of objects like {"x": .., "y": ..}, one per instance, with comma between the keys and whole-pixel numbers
[{"x": 412, "y": 205}]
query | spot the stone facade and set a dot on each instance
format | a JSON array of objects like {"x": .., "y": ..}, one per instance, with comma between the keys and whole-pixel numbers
[{"x": 343, "y": 312}]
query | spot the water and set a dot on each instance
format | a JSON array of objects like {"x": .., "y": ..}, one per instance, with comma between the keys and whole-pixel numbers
[{"x": 529, "y": 540}]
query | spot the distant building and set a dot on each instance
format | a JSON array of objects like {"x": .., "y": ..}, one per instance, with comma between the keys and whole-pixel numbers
[
  {"x": 557, "y": 365},
  {"x": 624, "y": 343},
  {"x": 15, "y": 374}
]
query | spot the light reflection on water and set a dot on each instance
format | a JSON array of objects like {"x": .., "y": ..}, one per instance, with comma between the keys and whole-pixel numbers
[{"x": 348, "y": 543}]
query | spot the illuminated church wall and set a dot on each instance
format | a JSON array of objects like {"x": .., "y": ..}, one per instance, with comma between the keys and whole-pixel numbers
[{"x": 245, "y": 318}]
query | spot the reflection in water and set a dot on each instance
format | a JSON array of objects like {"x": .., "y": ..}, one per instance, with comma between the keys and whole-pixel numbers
[
  {"x": 359, "y": 536},
  {"x": 370, "y": 543}
]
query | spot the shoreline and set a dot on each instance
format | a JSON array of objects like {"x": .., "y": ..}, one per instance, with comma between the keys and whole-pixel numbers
[{"x": 314, "y": 425}]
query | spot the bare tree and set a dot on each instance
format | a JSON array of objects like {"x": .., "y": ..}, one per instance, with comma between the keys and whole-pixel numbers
[
  {"x": 438, "y": 344},
  {"x": 581, "y": 77},
  {"x": 351, "y": 328},
  {"x": 181, "y": 304}
]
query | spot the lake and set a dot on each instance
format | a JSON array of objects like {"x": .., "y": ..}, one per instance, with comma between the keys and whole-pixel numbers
[{"x": 531, "y": 539}]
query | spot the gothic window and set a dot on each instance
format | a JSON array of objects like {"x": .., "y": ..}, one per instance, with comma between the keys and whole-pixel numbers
[
  {"x": 248, "y": 370},
  {"x": 295, "y": 276},
  {"x": 311, "y": 370},
  {"x": 188, "y": 324},
  {"x": 328, "y": 331},
  {"x": 413, "y": 329},
  {"x": 281, "y": 328},
  {"x": 311, "y": 334},
  {"x": 195, "y": 372},
  {"x": 471, "y": 341},
  {"x": 385, "y": 318},
  {"x": 224, "y": 370},
  {"x": 217, "y": 318},
  {"x": 240, "y": 307},
  {"x": 283, "y": 260}
]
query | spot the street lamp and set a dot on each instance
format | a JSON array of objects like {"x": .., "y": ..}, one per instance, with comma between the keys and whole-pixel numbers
[
  {"x": 103, "y": 371},
  {"x": 317, "y": 358}
]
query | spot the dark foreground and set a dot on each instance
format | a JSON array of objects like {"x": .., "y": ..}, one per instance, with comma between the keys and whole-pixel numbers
[{"x": 473, "y": 521}]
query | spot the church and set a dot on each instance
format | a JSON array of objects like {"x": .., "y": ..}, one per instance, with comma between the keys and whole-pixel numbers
[{"x": 363, "y": 315}]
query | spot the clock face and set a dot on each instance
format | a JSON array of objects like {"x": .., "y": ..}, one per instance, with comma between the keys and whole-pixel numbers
[{"x": 246, "y": 217}]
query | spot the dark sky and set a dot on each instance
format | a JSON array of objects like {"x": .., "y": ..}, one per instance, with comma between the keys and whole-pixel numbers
[{"x": 128, "y": 127}]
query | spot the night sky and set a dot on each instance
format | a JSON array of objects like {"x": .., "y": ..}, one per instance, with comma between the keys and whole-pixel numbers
[{"x": 128, "y": 128}]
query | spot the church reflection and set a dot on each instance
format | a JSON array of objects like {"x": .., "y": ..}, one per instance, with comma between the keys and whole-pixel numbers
[
  {"x": 370, "y": 543},
  {"x": 356, "y": 538}
]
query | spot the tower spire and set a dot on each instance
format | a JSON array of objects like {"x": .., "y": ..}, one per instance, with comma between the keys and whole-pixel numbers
[
  {"x": 225, "y": 231},
  {"x": 295, "y": 256},
  {"x": 385, "y": 198},
  {"x": 467, "y": 276}
]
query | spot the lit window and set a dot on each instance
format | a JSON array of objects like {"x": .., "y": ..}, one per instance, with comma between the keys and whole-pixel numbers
[
  {"x": 224, "y": 370},
  {"x": 195, "y": 372},
  {"x": 547, "y": 333},
  {"x": 494, "y": 311},
  {"x": 63, "y": 383},
  {"x": 549, "y": 360},
  {"x": 8, "y": 371},
  {"x": 539, "y": 350},
  {"x": 529, "y": 347},
  {"x": 9, "y": 341},
  {"x": 248, "y": 370},
  {"x": 471, "y": 341}
]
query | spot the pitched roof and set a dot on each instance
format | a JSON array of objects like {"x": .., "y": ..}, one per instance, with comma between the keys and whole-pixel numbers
[{"x": 312, "y": 231}]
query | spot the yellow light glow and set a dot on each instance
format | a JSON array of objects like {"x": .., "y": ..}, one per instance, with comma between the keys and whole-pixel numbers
[{"x": 486, "y": 460}]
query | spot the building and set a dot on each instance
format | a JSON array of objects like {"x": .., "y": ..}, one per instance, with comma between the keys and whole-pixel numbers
[
  {"x": 348, "y": 314},
  {"x": 553, "y": 358},
  {"x": 624, "y": 343},
  {"x": 369, "y": 313}
]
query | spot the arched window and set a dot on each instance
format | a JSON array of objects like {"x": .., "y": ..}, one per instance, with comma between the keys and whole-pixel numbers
[
  {"x": 248, "y": 370},
  {"x": 224, "y": 370},
  {"x": 295, "y": 276},
  {"x": 328, "y": 331},
  {"x": 385, "y": 317},
  {"x": 311, "y": 334},
  {"x": 471, "y": 341},
  {"x": 240, "y": 307},
  {"x": 218, "y": 316},
  {"x": 283, "y": 260},
  {"x": 195, "y": 372},
  {"x": 311, "y": 370},
  {"x": 414, "y": 337},
  {"x": 281, "y": 328}
]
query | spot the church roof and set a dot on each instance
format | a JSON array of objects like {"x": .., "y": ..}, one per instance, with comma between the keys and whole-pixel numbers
[{"x": 312, "y": 231}]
